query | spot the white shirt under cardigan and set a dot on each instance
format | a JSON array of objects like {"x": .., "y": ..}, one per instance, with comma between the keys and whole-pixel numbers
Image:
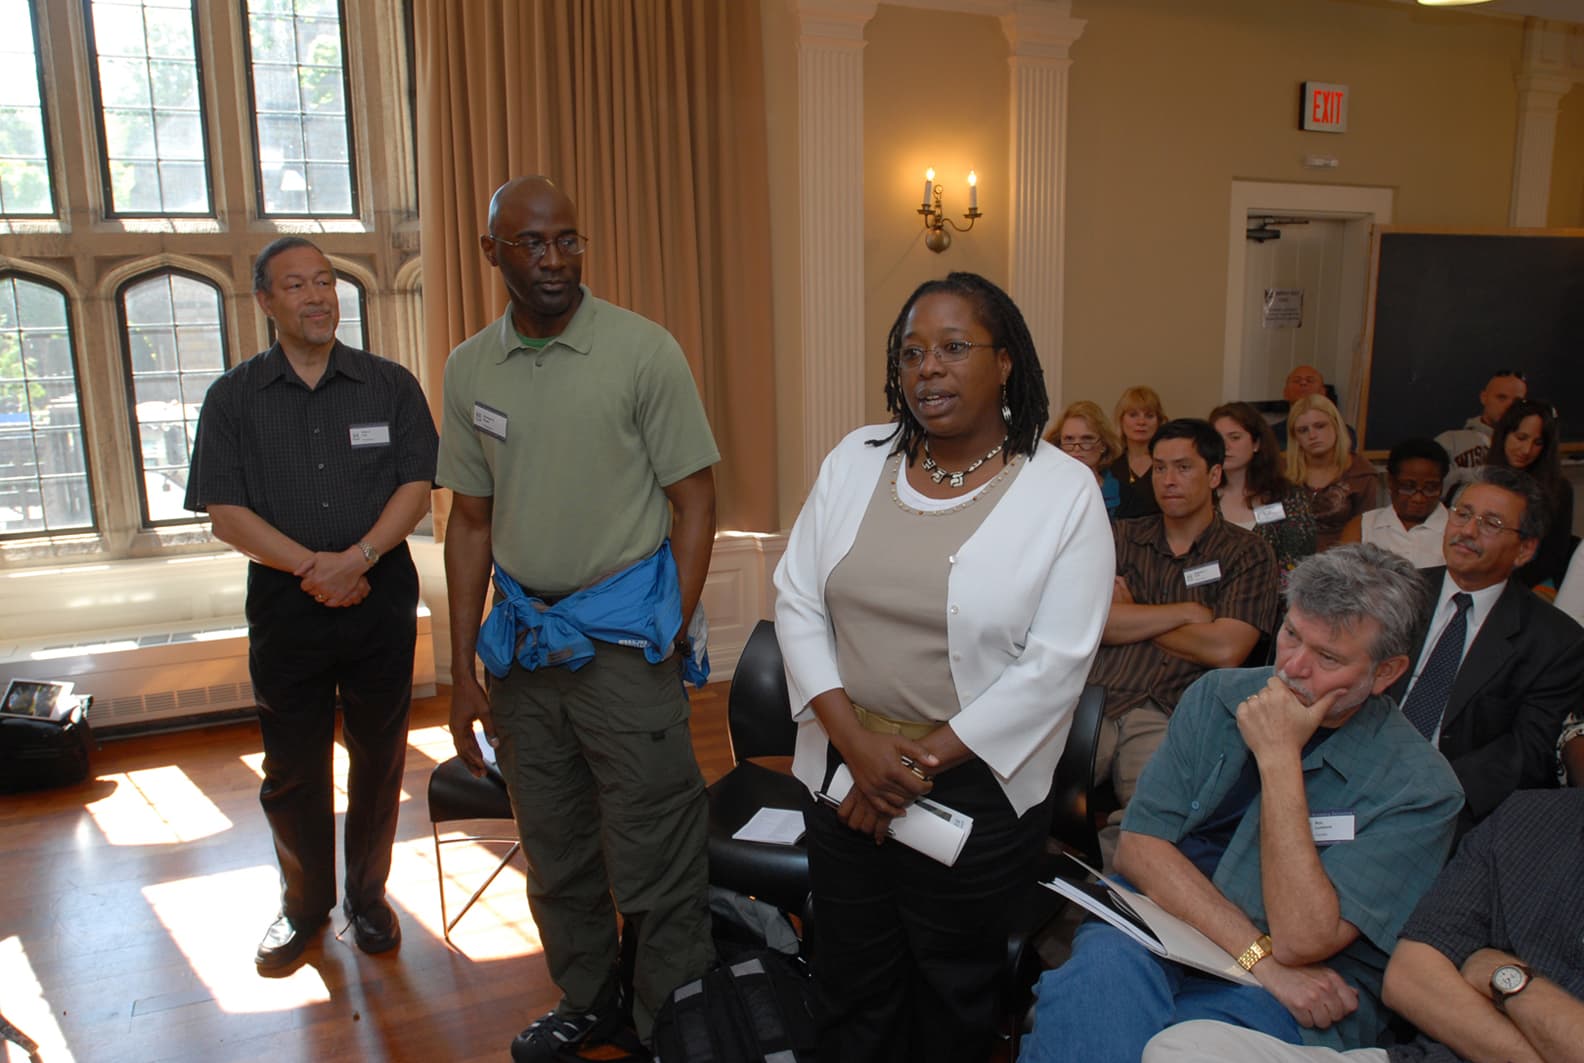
[{"x": 1027, "y": 599}]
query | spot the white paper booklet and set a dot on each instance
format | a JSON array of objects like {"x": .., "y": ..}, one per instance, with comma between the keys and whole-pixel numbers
[
  {"x": 927, "y": 826},
  {"x": 1149, "y": 924},
  {"x": 776, "y": 826}
]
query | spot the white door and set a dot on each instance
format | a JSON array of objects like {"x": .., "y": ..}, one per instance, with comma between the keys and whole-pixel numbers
[{"x": 1297, "y": 276}]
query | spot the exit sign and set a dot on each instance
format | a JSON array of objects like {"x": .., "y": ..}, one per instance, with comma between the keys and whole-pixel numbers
[{"x": 1324, "y": 107}]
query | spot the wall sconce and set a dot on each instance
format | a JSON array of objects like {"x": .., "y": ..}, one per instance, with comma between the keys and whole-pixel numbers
[{"x": 936, "y": 236}]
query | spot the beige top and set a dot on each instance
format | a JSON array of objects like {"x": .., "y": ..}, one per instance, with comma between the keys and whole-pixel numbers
[{"x": 888, "y": 605}]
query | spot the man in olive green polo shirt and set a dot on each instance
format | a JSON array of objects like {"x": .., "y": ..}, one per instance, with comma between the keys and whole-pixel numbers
[{"x": 574, "y": 441}]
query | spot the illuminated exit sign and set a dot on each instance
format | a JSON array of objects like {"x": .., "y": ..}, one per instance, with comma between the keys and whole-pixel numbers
[{"x": 1324, "y": 107}]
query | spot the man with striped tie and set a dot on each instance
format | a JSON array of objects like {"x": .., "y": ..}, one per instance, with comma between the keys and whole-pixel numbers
[{"x": 1497, "y": 668}]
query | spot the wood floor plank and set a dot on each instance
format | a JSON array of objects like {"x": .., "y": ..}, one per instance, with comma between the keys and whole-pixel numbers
[{"x": 136, "y": 899}]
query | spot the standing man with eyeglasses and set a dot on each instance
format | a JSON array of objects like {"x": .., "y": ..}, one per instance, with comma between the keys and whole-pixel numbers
[
  {"x": 580, "y": 459},
  {"x": 315, "y": 460},
  {"x": 1497, "y": 668}
]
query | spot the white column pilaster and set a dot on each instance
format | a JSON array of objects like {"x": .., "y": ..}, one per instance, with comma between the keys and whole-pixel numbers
[
  {"x": 1040, "y": 36},
  {"x": 830, "y": 202},
  {"x": 1543, "y": 80}
]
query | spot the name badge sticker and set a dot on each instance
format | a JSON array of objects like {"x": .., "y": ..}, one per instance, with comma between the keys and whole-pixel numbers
[
  {"x": 490, "y": 421},
  {"x": 1269, "y": 514},
  {"x": 1328, "y": 828},
  {"x": 1208, "y": 572},
  {"x": 370, "y": 435}
]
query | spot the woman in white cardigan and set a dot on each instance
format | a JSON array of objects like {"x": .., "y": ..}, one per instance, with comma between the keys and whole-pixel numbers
[{"x": 938, "y": 607}]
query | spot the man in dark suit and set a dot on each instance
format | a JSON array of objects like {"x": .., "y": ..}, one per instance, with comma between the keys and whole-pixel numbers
[{"x": 1497, "y": 669}]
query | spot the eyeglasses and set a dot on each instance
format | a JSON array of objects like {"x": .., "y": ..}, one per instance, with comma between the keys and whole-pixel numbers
[
  {"x": 1408, "y": 488},
  {"x": 1488, "y": 525},
  {"x": 1082, "y": 443},
  {"x": 534, "y": 249},
  {"x": 912, "y": 356}
]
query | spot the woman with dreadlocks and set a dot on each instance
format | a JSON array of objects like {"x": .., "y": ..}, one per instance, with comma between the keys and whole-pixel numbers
[{"x": 938, "y": 607}]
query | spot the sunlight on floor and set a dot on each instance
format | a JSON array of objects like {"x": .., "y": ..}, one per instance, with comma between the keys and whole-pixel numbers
[
  {"x": 338, "y": 769},
  {"x": 25, "y": 1007},
  {"x": 433, "y": 742},
  {"x": 156, "y": 806},
  {"x": 498, "y": 926},
  {"x": 200, "y": 912}
]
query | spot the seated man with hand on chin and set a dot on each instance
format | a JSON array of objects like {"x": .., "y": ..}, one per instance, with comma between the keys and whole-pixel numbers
[{"x": 1294, "y": 817}]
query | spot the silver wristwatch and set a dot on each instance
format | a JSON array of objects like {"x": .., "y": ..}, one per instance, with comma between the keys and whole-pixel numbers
[
  {"x": 1507, "y": 981},
  {"x": 370, "y": 554}
]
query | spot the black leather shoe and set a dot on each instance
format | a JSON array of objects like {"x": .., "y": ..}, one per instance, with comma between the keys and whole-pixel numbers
[
  {"x": 283, "y": 942},
  {"x": 375, "y": 928}
]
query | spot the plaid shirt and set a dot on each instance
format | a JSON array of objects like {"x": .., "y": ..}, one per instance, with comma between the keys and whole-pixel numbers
[{"x": 1136, "y": 672}]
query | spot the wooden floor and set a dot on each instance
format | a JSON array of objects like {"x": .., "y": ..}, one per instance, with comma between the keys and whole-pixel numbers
[{"x": 135, "y": 901}]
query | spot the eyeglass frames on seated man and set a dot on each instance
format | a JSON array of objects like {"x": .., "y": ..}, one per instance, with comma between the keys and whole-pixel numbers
[
  {"x": 1409, "y": 488},
  {"x": 1488, "y": 525},
  {"x": 533, "y": 248}
]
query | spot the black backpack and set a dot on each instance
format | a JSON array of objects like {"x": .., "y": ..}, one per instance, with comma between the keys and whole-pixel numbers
[
  {"x": 757, "y": 1006},
  {"x": 37, "y": 752}
]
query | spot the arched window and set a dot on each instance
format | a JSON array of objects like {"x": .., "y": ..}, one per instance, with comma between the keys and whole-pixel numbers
[
  {"x": 349, "y": 293},
  {"x": 43, "y": 459},
  {"x": 153, "y": 143},
  {"x": 24, "y": 149},
  {"x": 302, "y": 134},
  {"x": 173, "y": 335}
]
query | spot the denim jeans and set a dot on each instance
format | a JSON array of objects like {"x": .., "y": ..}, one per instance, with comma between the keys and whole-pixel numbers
[{"x": 1113, "y": 995}]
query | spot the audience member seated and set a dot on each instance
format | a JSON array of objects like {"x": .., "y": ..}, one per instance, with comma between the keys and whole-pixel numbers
[
  {"x": 1341, "y": 483},
  {"x": 1138, "y": 414},
  {"x": 1488, "y": 966},
  {"x": 1220, "y": 834},
  {"x": 1467, "y": 446},
  {"x": 1414, "y": 524},
  {"x": 1192, "y": 592},
  {"x": 1497, "y": 668},
  {"x": 1083, "y": 431},
  {"x": 1527, "y": 439},
  {"x": 1304, "y": 380},
  {"x": 1254, "y": 494},
  {"x": 1570, "y": 595}
]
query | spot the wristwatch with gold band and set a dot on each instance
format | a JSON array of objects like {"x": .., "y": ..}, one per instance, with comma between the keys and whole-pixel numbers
[{"x": 1255, "y": 952}]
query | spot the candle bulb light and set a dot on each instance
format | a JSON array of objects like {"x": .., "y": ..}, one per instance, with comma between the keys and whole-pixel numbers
[{"x": 937, "y": 227}]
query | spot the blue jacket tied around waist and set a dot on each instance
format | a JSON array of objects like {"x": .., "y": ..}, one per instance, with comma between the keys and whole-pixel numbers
[{"x": 640, "y": 607}]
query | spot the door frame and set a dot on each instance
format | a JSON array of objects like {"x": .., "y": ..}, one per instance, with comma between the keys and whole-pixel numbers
[{"x": 1361, "y": 204}]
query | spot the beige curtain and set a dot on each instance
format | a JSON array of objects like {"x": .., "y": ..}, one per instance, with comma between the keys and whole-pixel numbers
[{"x": 650, "y": 114}]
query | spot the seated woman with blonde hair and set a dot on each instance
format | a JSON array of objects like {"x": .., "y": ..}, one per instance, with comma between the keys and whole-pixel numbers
[
  {"x": 1083, "y": 431},
  {"x": 1138, "y": 414},
  {"x": 1341, "y": 483}
]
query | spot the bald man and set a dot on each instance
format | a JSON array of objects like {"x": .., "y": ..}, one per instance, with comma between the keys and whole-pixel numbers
[{"x": 577, "y": 447}]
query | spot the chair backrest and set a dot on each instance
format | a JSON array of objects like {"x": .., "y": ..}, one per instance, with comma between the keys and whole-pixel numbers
[
  {"x": 1072, "y": 819},
  {"x": 758, "y": 709}
]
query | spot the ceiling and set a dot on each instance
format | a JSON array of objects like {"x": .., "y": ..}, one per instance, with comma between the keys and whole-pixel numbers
[{"x": 1560, "y": 10}]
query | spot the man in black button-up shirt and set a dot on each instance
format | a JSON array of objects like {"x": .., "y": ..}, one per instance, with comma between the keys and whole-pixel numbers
[{"x": 316, "y": 460}]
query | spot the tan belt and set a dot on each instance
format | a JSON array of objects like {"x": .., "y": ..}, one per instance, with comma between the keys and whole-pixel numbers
[{"x": 885, "y": 725}]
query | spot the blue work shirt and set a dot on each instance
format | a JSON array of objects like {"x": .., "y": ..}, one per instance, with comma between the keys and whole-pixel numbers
[
  {"x": 639, "y": 607},
  {"x": 1402, "y": 794}
]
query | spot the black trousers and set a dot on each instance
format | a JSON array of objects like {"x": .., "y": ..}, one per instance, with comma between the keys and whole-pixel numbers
[
  {"x": 301, "y": 655},
  {"x": 909, "y": 951}
]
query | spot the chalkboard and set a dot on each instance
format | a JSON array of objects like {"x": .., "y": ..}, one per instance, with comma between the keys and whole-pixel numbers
[{"x": 1448, "y": 308}]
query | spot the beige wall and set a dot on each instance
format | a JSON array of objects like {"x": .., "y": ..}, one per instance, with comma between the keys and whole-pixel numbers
[
  {"x": 935, "y": 94},
  {"x": 1567, "y": 165},
  {"x": 1171, "y": 102}
]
